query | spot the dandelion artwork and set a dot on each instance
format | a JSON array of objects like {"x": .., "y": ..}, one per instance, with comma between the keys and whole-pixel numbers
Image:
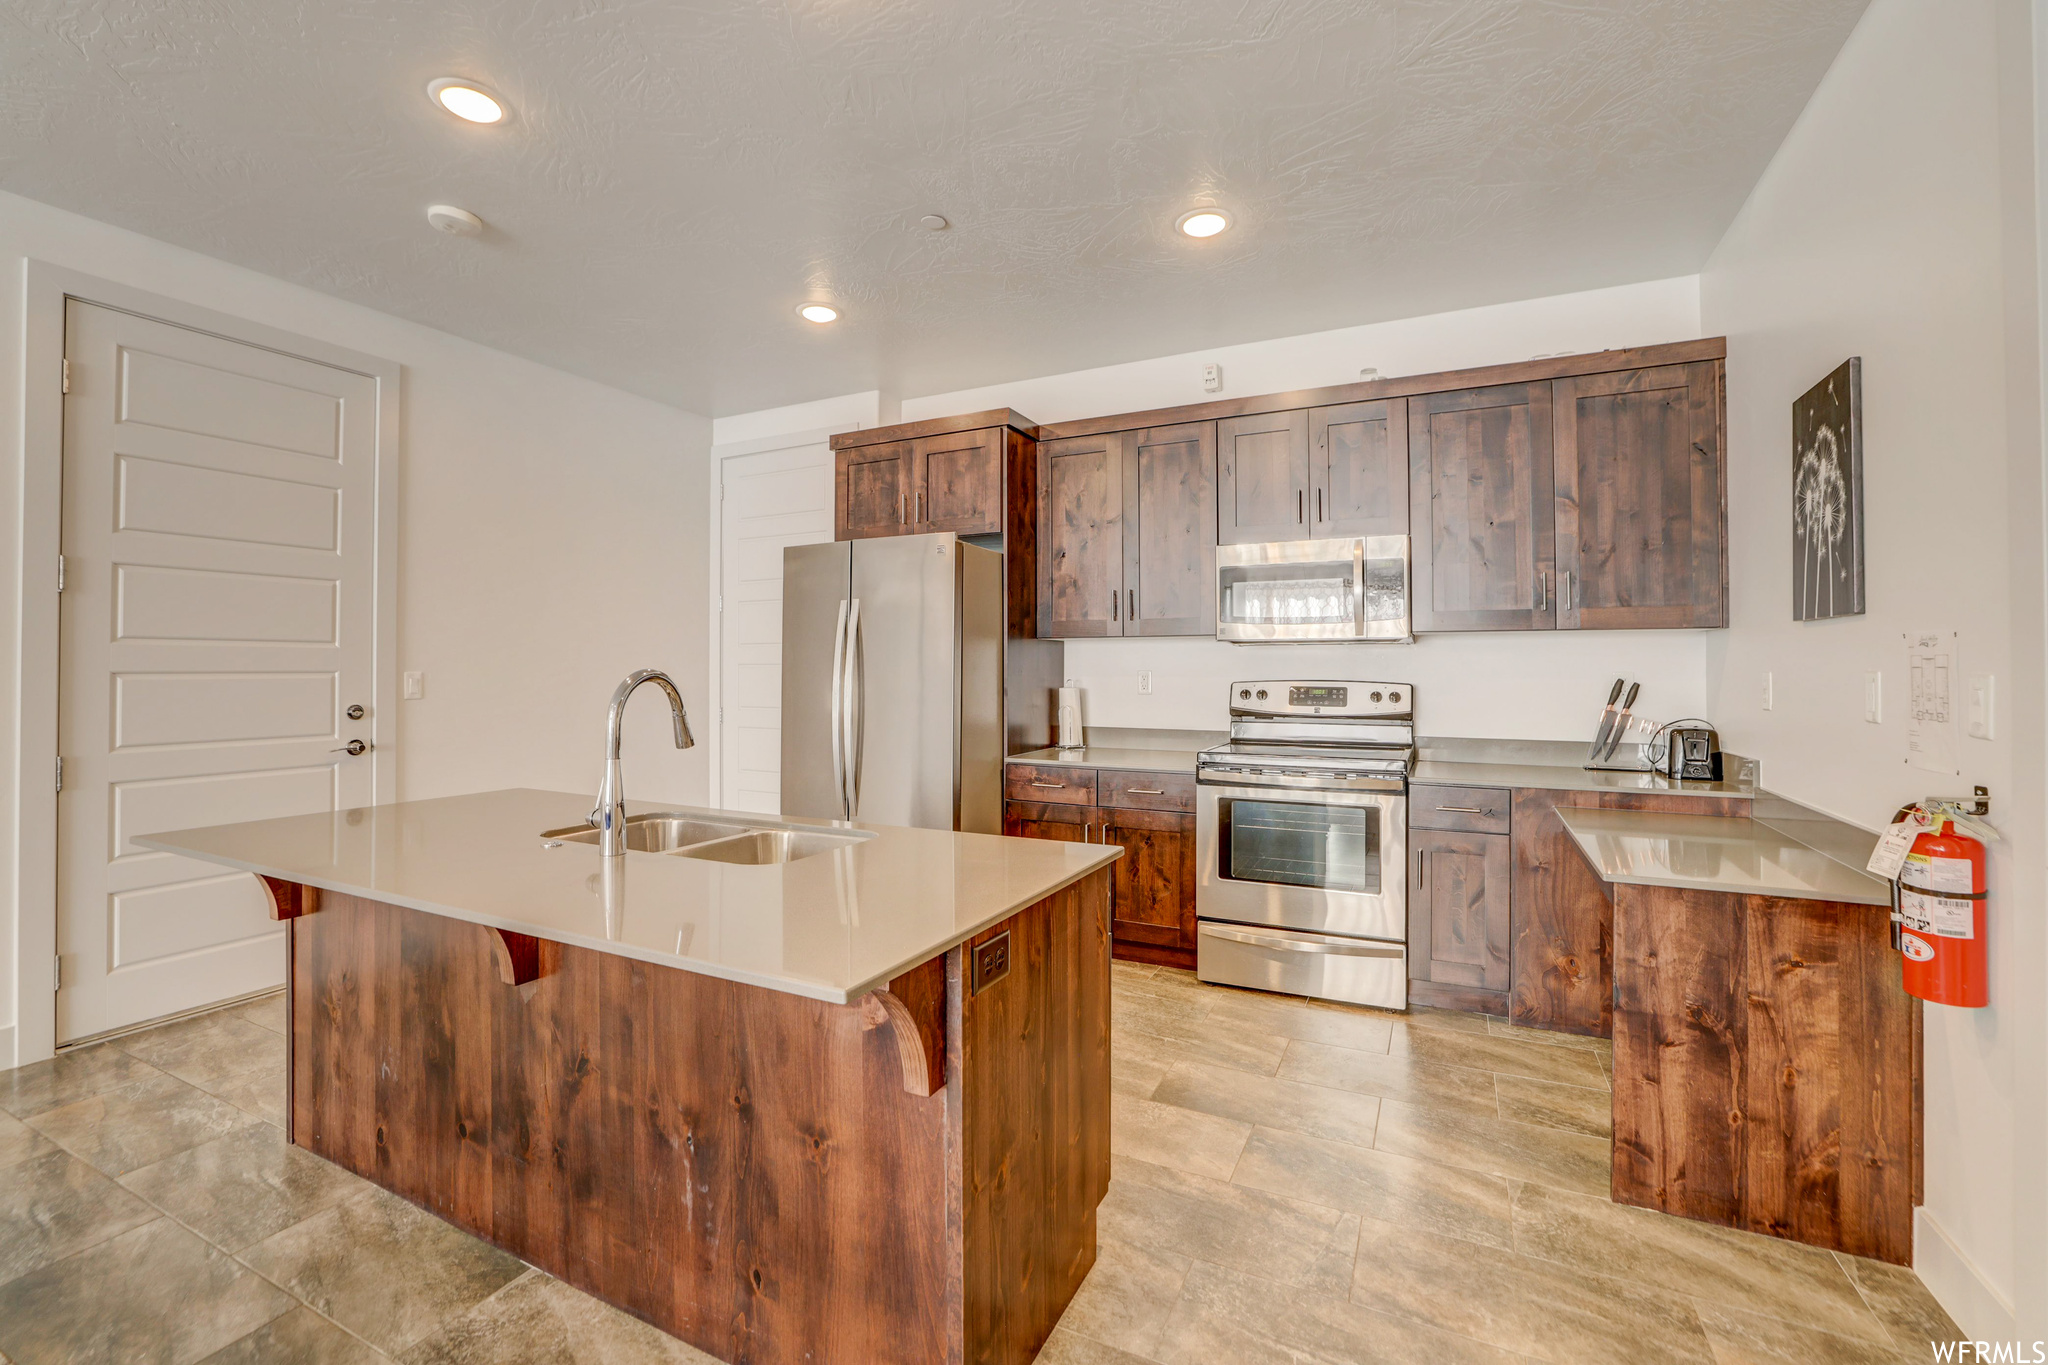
[{"x": 1827, "y": 497}]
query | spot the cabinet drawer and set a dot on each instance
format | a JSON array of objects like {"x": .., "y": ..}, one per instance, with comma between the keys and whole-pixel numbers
[
  {"x": 1061, "y": 786},
  {"x": 1145, "y": 791},
  {"x": 1475, "y": 810}
]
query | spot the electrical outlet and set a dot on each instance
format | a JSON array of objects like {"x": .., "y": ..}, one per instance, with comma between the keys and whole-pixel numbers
[
  {"x": 415, "y": 686},
  {"x": 1212, "y": 378},
  {"x": 1873, "y": 698},
  {"x": 1145, "y": 682},
  {"x": 1982, "y": 701},
  {"x": 1767, "y": 691}
]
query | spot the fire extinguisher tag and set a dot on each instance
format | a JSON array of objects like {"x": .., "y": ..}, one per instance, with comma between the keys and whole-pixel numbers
[{"x": 1890, "y": 854}]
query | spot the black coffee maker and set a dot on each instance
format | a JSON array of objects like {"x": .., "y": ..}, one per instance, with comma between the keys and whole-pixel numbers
[{"x": 1692, "y": 751}]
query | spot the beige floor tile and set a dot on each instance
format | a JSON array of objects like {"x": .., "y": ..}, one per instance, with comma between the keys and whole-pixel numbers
[
  {"x": 1512, "y": 1056},
  {"x": 1501, "y": 1028},
  {"x": 1750, "y": 1339},
  {"x": 383, "y": 1269},
  {"x": 237, "y": 1190},
  {"x": 156, "y": 1294},
  {"x": 1202, "y": 1040},
  {"x": 1182, "y": 1138},
  {"x": 1521, "y": 1303},
  {"x": 1901, "y": 1301},
  {"x": 266, "y": 1012},
  {"x": 1127, "y": 1297},
  {"x": 1171, "y": 1213},
  {"x": 19, "y": 1142},
  {"x": 1340, "y": 1115},
  {"x": 1574, "y": 1108},
  {"x": 1334, "y": 1268},
  {"x": 1715, "y": 1264},
  {"x": 1392, "y": 1188},
  {"x": 1145, "y": 1012},
  {"x": 1426, "y": 1016},
  {"x": 1338, "y": 1025},
  {"x": 1138, "y": 1062},
  {"x": 1393, "y": 1076},
  {"x": 300, "y": 1337},
  {"x": 69, "y": 1077},
  {"x": 1121, "y": 971},
  {"x": 1497, "y": 1146},
  {"x": 138, "y": 1124},
  {"x": 259, "y": 1095},
  {"x": 209, "y": 1050},
  {"x": 538, "y": 1320},
  {"x": 1071, "y": 1348},
  {"x": 54, "y": 1205},
  {"x": 1228, "y": 1315}
]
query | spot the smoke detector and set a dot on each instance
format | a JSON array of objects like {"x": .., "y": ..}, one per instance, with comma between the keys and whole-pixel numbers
[{"x": 454, "y": 221}]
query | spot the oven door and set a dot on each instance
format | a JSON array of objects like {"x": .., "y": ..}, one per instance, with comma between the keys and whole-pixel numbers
[{"x": 1291, "y": 856}]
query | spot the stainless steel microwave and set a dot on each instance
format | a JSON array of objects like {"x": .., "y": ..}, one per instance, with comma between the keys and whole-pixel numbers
[{"x": 1297, "y": 590}]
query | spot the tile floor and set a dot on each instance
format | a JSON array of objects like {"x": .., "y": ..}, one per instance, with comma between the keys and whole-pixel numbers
[{"x": 1293, "y": 1183}]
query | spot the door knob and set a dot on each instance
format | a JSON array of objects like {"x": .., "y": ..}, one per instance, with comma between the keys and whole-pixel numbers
[
  {"x": 354, "y": 712},
  {"x": 355, "y": 748}
]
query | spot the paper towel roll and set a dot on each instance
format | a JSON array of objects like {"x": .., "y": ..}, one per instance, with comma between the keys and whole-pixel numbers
[{"x": 1069, "y": 731}]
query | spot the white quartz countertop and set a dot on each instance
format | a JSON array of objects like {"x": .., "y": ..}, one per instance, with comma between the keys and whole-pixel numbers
[
  {"x": 832, "y": 927},
  {"x": 1558, "y": 778},
  {"x": 1100, "y": 756},
  {"x": 1728, "y": 854}
]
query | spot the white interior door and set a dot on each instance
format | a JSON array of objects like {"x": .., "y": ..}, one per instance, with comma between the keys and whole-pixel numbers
[
  {"x": 216, "y": 623},
  {"x": 767, "y": 500}
]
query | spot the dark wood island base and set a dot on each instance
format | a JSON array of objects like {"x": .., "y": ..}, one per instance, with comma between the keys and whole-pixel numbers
[{"x": 912, "y": 1177}]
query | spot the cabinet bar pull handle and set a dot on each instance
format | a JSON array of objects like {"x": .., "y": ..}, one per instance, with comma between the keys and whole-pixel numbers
[
  {"x": 1319, "y": 504},
  {"x": 1421, "y": 869},
  {"x": 1116, "y": 603},
  {"x": 1087, "y": 836},
  {"x": 1467, "y": 810},
  {"x": 1060, "y": 785},
  {"x": 1131, "y": 600},
  {"x": 1145, "y": 791},
  {"x": 901, "y": 515},
  {"x": 1297, "y": 504},
  {"x": 1542, "y": 589}
]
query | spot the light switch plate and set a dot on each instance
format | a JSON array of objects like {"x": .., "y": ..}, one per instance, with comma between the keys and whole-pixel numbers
[
  {"x": 1767, "y": 691},
  {"x": 415, "y": 686},
  {"x": 1145, "y": 681},
  {"x": 1982, "y": 701},
  {"x": 1873, "y": 698}
]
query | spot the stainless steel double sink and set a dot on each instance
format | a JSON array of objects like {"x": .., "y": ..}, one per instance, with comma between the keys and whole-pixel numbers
[{"x": 684, "y": 835}]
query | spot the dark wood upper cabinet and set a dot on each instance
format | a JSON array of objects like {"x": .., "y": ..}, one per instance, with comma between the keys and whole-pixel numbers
[
  {"x": 1169, "y": 476},
  {"x": 1481, "y": 509},
  {"x": 1358, "y": 470},
  {"x": 1262, "y": 478},
  {"x": 873, "y": 491},
  {"x": 1081, "y": 536},
  {"x": 957, "y": 484},
  {"x": 1641, "y": 496}
]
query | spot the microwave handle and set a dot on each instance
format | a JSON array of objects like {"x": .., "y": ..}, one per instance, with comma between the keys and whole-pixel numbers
[{"x": 1358, "y": 587}]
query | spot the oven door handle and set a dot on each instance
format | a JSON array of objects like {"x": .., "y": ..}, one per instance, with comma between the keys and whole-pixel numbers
[
  {"x": 1324, "y": 946},
  {"x": 1376, "y": 789}
]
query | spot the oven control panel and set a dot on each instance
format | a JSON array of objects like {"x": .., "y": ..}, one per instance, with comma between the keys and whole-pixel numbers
[{"x": 1301, "y": 697}]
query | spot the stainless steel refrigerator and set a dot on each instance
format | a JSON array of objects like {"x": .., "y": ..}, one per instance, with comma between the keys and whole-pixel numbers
[{"x": 892, "y": 682}]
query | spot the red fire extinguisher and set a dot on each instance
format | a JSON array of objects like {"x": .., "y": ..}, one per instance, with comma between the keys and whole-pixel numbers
[{"x": 1940, "y": 917}]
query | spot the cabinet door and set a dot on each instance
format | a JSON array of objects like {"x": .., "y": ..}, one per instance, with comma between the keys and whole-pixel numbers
[
  {"x": 1480, "y": 508},
  {"x": 1459, "y": 930},
  {"x": 1262, "y": 478},
  {"x": 1081, "y": 536},
  {"x": 1170, "y": 530},
  {"x": 959, "y": 483},
  {"x": 1641, "y": 499},
  {"x": 1041, "y": 820},
  {"x": 1152, "y": 900},
  {"x": 873, "y": 492},
  {"x": 1358, "y": 469}
]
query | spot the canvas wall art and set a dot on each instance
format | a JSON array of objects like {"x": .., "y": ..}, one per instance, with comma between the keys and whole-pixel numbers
[{"x": 1827, "y": 496}]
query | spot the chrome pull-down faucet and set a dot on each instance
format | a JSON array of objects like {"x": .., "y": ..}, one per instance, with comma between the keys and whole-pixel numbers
[{"x": 610, "y": 815}]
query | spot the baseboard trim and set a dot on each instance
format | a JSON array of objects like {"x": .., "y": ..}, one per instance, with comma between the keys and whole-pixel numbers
[
  {"x": 1956, "y": 1282},
  {"x": 7, "y": 1048}
]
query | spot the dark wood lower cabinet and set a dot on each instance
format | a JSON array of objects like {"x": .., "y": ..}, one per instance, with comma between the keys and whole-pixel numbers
[
  {"x": 1153, "y": 885},
  {"x": 1766, "y": 1068},
  {"x": 1459, "y": 932}
]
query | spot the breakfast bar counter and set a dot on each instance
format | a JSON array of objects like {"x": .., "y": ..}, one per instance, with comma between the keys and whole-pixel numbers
[{"x": 792, "y": 1091}]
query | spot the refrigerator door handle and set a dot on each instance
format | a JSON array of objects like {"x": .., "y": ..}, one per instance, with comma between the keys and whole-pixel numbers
[
  {"x": 839, "y": 707},
  {"x": 856, "y": 709}
]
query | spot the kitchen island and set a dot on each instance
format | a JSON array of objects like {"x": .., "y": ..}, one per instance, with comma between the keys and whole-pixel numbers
[{"x": 852, "y": 1106}]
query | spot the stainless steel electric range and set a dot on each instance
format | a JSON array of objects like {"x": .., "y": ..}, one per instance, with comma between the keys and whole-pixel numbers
[{"x": 1301, "y": 831}]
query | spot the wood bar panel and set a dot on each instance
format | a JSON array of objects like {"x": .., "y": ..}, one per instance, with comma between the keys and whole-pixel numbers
[{"x": 1764, "y": 1068}]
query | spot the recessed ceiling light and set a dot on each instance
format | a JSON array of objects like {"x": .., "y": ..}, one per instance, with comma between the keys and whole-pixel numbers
[
  {"x": 466, "y": 100},
  {"x": 1203, "y": 222},
  {"x": 818, "y": 312}
]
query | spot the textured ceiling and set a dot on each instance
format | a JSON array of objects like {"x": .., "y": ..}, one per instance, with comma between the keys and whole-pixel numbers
[{"x": 679, "y": 174}]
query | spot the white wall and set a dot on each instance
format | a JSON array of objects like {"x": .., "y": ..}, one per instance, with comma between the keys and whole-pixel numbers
[
  {"x": 1879, "y": 230},
  {"x": 1520, "y": 686},
  {"x": 552, "y": 536}
]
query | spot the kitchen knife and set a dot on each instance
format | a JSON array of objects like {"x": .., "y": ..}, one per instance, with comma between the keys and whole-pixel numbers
[
  {"x": 1606, "y": 720},
  {"x": 1628, "y": 704}
]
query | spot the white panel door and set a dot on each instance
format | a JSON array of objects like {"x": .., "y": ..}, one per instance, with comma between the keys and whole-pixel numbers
[
  {"x": 216, "y": 623},
  {"x": 767, "y": 500}
]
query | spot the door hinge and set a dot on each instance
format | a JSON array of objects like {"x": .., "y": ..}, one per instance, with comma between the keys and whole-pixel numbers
[
  {"x": 60, "y": 573},
  {"x": 60, "y": 772},
  {"x": 67, "y": 374}
]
